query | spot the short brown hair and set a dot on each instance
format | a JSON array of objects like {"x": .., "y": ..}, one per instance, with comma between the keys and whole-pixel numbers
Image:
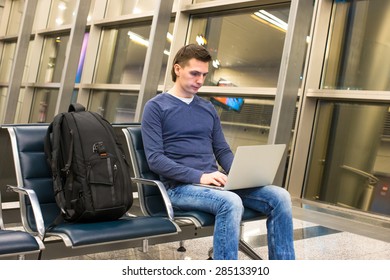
[{"x": 188, "y": 52}]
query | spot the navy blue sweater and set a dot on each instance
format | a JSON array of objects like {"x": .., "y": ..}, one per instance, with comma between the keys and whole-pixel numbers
[{"x": 183, "y": 141}]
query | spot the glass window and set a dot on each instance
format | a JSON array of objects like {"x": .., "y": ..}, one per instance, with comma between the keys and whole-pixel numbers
[
  {"x": 53, "y": 58},
  {"x": 250, "y": 126},
  {"x": 126, "y": 7},
  {"x": 116, "y": 107},
  {"x": 350, "y": 156},
  {"x": 44, "y": 103},
  {"x": 247, "y": 124},
  {"x": 202, "y": 1},
  {"x": 1, "y": 9},
  {"x": 82, "y": 58},
  {"x": 358, "y": 49},
  {"x": 246, "y": 47},
  {"x": 15, "y": 17},
  {"x": 19, "y": 113},
  {"x": 62, "y": 12},
  {"x": 27, "y": 63},
  {"x": 122, "y": 55},
  {"x": 6, "y": 61},
  {"x": 3, "y": 96}
]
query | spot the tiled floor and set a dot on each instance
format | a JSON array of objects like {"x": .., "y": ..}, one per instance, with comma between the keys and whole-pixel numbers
[
  {"x": 320, "y": 233},
  {"x": 312, "y": 242}
]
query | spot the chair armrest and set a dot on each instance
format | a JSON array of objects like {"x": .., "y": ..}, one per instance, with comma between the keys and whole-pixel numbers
[
  {"x": 35, "y": 207},
  {"x": 163, "y": 191}
]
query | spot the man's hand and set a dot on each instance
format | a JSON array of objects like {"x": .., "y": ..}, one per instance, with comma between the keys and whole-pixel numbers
[{"x": 216, "y": 178}]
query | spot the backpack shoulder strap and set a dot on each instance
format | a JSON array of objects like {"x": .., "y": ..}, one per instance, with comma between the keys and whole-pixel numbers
[
  {"x": 52, "y": 146},
  {"x": 52, "y": 141}
]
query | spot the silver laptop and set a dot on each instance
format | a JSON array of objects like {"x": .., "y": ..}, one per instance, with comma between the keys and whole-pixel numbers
[{"x": 253, "y": 166}]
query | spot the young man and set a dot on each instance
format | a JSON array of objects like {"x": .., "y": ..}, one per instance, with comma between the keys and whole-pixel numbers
[{"x": 183, "y": 141}]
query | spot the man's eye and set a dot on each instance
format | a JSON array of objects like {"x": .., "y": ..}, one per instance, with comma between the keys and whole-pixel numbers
[{"x": 198, "y": 74}]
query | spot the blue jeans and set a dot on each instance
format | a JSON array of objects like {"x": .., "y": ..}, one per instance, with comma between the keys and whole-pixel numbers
[{"x": 228, "y": 207}]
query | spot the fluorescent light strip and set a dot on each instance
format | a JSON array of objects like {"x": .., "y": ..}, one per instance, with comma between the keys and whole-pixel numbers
[
  {"x": 169, "y": 37},
  {"x": 280, "y": 24},
  {"x": 270, "y": 20},
  {"x": 138, "y": 39}
]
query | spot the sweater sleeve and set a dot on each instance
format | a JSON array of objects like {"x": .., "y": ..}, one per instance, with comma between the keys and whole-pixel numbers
[
  {"x": 222, "y": 151},
  {"x": 154, "y": 149}
]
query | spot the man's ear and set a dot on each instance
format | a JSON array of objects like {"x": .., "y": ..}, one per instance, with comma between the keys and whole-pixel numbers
[{"x": 176, "y": 67}]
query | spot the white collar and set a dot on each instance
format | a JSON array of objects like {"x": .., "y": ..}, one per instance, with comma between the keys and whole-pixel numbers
[{"x": 186, "y": 100}]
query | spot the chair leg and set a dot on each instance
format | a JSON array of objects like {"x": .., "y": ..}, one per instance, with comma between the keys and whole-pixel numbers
[
  {"x": 243, "y": 247},
  {"x": 248, "y": 250},
  {"x": 181, "y": 247},
  {"x": 210, "y": 253},
  {"x": 145, "y": 245}
]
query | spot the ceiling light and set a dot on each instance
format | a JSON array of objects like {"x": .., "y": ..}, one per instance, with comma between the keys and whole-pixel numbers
[
  {"x": 62, "y": 6},
  {"x": 201, "y": 40},
  {"x": 59, "y": 21},
  {"x": 271, "y": 20},
  {"x": 138, "y": 39},
  {"x": 142, "y": 41},
  {"x": 216, "y": 63},
  {"x": 169, "y": 37},
  {"x": 136, "y": 11},
  {"x": 279, "y": 22}
]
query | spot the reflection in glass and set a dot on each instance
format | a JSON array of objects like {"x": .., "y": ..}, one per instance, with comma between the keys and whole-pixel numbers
[
  {"x": 116, "y": 107},
  {"x": 62, "y": 12},
  {"x": 350, "y": 156},
  {"x": 122, "y": 55},
  {"x": 228, "y": 103},
  {"x": 18, "y": 113},
  {"x": 246, "y": 48},
  {"x": 27, "y": 63},
  {"x": 250, "y": 125},
  {"x": 6, "y": 61},
  {"x": 202, "y": 1},
  {"x": 128, "y": 7},
  {"x": 53, "y": 59},
  {"x": 358, "y": 50},
  {"x": 44, "y": 103},
  {"x": 83, "y": 53},
  {"x": 15, "y": 17}
]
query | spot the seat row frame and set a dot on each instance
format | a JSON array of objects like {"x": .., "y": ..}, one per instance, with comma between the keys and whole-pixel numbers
[{"x": 60, "y": 243}]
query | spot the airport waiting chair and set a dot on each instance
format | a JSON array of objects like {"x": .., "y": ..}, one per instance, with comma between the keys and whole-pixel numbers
[
  {"x": 154, "y": 200},
  {"x": 17, "y": 243},
  {"x": 34, "y": 184}
]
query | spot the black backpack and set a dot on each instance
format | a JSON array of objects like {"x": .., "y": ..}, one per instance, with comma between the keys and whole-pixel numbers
[{"x": 91, "y": 178}]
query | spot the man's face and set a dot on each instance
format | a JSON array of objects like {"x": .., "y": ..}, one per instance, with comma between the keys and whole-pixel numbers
[{"x": 190, "y": 77}]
